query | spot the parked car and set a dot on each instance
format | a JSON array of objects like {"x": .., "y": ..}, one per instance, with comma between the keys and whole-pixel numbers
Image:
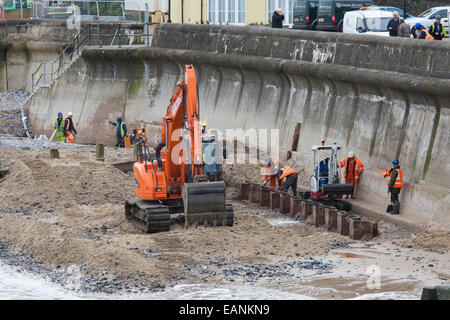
[
  {"x": 330, "y": 14},
  {"x": 427, "y": 17},
  {"x": 372, "y": 22},
  {"x": 305, "y": 14},
  {"x": 391, "y": 9}
]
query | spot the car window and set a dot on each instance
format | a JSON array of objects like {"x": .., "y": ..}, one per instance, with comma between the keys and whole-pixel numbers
[
  {"x": 377, "y": 24},
  {"x": 426, "y": 12},
  {"x": 359, "y": 24},
  {"x": 348, "y": 22},
  {"x": 325, "y": 5},
  {"x": 392, "y": 9},
  {"x": 442, "y": 13}
]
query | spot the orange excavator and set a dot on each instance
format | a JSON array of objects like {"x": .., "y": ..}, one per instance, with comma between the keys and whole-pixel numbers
[{"x": 172, "y": 181}]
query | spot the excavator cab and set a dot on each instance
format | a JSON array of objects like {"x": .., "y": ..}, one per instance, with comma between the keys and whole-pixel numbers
[
  {"x": 175, "y": 179},
  {"x": 212, "y": 158}
]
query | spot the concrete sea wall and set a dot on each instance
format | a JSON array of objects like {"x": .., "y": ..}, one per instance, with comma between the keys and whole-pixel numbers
[{"x": 382, "y": 98}]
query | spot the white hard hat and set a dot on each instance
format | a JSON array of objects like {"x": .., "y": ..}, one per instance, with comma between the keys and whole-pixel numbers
[
  {"x": 351, "y": 154},
  {"x": 69, "y": 114}
]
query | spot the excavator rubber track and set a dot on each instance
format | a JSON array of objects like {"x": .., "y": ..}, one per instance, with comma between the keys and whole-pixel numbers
[
  {"x": 148, "y": 216},
  {"x": 205, "y": 204}
]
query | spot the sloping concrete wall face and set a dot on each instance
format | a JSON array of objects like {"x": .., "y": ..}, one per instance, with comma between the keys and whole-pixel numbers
[{"x": 355, "y": 91}]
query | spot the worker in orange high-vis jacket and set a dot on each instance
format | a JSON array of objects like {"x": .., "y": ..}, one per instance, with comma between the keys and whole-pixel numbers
[
  {"x": 270, "y": 172},
  {"x": 395, "y": 185},
  {"x": 352, "y": 170},
  {"x": 69, "y": 129},
  {"x": 287, "y": 178}
]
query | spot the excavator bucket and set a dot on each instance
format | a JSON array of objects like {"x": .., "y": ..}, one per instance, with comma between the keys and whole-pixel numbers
[{"x": 205, "y": 204}]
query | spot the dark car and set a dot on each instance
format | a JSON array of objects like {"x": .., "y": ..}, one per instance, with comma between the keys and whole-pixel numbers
[
  {"x": 330, "y": 14},
  {"x": 305, "y": 14}
]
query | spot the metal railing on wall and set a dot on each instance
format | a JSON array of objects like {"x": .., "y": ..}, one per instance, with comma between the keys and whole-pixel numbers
[
  {"x": 91, "y": 34},
  {"x": 15, "y": 9},
  {"x": 102, "y": 10}
]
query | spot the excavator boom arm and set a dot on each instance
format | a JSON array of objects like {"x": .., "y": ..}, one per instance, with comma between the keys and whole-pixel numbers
[{"x": 182, "y": 122}]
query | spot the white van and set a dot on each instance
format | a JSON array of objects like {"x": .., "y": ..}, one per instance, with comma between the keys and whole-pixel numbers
[{"x": 367, "y": 22}]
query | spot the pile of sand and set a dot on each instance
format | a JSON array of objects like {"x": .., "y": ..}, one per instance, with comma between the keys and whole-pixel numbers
[
  {"x": 38, "y": 184},
  {"x": 435, "y": 239}
]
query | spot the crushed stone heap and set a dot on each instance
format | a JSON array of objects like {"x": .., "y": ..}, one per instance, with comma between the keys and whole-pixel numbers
[{"x": 11, "y": 107}]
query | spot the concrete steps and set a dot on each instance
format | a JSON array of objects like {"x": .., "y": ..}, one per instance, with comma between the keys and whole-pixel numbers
[{"x": 58, "y": 75}]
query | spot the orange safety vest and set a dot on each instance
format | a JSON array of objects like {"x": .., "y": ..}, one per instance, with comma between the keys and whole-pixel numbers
[
  {"x": 398, "y": 181},
  {"x": 428, "y": 35},
  {"x": 286, "y": 171},
  {"x": 358, "y": 166},
  {"x": 268, "y": 174},
  {"x": 69, "y": 137}
]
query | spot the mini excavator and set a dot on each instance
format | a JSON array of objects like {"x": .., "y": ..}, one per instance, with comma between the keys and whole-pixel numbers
[
  {"x": 173, "y": 180},
  {"x": 325, "y": 183}
]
